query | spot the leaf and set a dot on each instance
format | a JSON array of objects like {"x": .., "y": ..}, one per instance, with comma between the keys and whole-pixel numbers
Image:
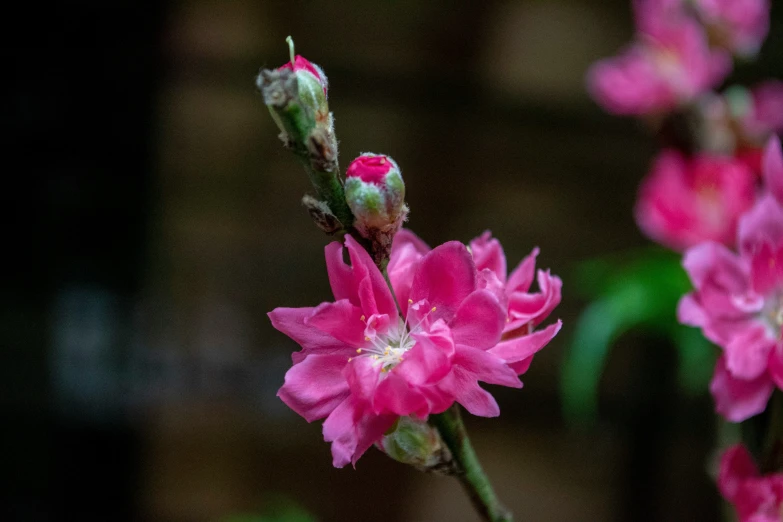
[{"x": 634, "y": 290}]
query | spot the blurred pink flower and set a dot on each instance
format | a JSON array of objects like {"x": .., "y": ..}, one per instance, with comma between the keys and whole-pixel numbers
[
  {"x": 362, "y": 365},
  {"x": 740, "y": 121},
  {"x": 755, "y": 497},
  {"x": 524, "y": 310},
  {"x": 684, "y": 201},
  {"x": 765, "y": 114},
  {"x": 738, "y": 301},
  {"x": 738, "y": 25},
  {"x": 671, "y": 63}
]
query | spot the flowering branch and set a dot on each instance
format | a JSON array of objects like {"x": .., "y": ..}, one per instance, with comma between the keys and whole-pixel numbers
[
  {"x": 412, "y": 330},
  {"x": 469, "y": 470}
]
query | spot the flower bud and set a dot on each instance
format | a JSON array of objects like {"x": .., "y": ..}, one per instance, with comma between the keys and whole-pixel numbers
[
  {"x": 415, "y": 442},
  {"x": 311, "y": 84},
  {"x": 296, "y": 94},
  {"x": 376, "y": 194}
]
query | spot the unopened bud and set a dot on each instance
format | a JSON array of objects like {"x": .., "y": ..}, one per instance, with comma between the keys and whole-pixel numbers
[
  {"x": 311, "y": 83},
  {"x": 376, "y": 194},
  {"x": 415, "y": 442},
  {"x": 296, "y": 96}
]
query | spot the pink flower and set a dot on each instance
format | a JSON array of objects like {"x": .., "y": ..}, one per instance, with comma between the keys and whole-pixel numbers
[
  {"x": 524, "y": 310},
  {"x": 670, "y": 64},
  {"x": 685, "y": 201},
  {"x": 738, "y": 302},
  {"x": 756, "y": 497},
  {"x": 363, "y": 365},
  {"x": 738, "y": 25}
]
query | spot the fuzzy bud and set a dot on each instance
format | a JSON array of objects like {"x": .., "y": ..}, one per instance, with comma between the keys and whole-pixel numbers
[
  {"x": 376, "y": 195},
  {"x": 296, "y": 94},
  {"x": 415, "y": 442},
  {"x": 311, "y": 83}
]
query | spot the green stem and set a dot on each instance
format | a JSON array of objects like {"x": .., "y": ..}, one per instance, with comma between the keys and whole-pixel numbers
[
  {"x": 330, "y": 189},
  {"x": 470, "y": 474}
]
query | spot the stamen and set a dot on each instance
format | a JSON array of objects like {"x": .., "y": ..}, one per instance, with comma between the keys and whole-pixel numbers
[
  {"x": 362, "y": 318},
  {"x": 358, "y": 350}
]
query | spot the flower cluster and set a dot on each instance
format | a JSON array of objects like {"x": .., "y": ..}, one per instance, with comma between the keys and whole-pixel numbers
[
  {"x": 453, "y": 319},
  {"x": 715, "y": 193},
  {"x": 412, "y": 330},
  {"x": 738, "y": 300}
]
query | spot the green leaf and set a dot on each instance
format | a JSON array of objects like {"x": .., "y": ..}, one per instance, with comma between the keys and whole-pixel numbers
[{"x": 634, "y": 290}]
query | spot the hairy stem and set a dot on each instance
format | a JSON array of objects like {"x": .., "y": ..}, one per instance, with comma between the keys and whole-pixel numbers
[{"x": 469, "y": 471}]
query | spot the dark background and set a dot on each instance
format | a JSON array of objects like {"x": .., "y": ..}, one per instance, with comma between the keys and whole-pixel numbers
[{"x": 151, "y": 219}]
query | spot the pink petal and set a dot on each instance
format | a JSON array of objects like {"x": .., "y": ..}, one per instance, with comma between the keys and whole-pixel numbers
[
  {"x": 352, "y": 428},
  {"x": 487, "y": 253},
  {"x": 479, "y": 321},
  {"x": 629, "y": 84},
  {"x": 533, "y": 309},
  {"x": 485, "y": 367},
  {"x": 463, "y": 387},
  {"x": 445, "y": 277},
  {"x": 363, "y": 376},
  {"x": 430, "y": 358},
  {"x": 737, "y": 399},
  {"x": 361, "y": 282},
  {"x": 773, "y": 168},
  {"x": 341, "y": 320},
  {"x": 762, "y": 224},
  {"x": 524, "y": 347},
  {"x": 736, "y": 466},
  {"x": 396, "y": 395},
  {"x": 775, "y": 364},
  {"x": 748, "y": 352},
  {"x": 522, "y": 276},
  {"x": 715, "y": 261},
  {"x": 370, "y": 429},
  {"x": 315, "y": 386},
  {"x": 340, "y": 429},
  {"x": 764, "y": 269},
  {"x": 690, "y": 312},
  {"x": 292, "y": 322},
  {"x": 407, "y": 251},
  {"x": 487, "y": 280},
  {"x": 521, "y": 367}
]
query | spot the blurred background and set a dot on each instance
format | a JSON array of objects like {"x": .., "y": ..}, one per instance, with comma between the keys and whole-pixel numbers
[{"x": 152, "y": 219}]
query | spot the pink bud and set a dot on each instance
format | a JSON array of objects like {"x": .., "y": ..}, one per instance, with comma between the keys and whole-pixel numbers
[
  {"x": 301, "y": 63},
  {"x": 371, "y": 168}
]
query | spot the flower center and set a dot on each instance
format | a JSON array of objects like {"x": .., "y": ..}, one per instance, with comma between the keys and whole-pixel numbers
[{"x": 387, "y": 349}]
